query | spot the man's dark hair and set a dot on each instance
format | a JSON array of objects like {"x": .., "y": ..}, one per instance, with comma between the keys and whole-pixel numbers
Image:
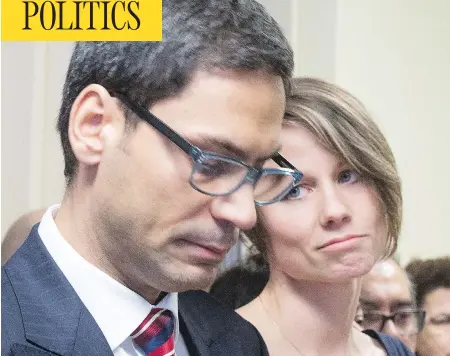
[
  {"x": 429, "y": 275},
  {"x": 197, "y": 35}
]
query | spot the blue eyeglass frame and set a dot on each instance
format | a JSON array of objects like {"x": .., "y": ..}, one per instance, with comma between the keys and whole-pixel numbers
[{"x": 198, "y": 155}]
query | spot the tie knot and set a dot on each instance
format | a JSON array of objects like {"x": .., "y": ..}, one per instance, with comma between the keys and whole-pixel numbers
[{"x": 156, "y": 333}]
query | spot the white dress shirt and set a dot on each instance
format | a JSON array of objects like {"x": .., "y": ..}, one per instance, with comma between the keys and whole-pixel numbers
[{"x": 117, "y": 310}]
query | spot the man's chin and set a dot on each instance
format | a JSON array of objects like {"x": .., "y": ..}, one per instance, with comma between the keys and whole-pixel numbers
[{"x": 197, "y": 278}]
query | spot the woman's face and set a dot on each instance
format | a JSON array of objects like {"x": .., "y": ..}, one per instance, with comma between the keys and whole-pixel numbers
[{"x": 330, "y": 227}]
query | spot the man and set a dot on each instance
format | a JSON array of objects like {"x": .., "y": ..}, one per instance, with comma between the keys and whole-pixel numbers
[
  {"x": 163, "y": 146},
  {"x": 432, "y": 280},
  {"x": 387, "y": 303}
]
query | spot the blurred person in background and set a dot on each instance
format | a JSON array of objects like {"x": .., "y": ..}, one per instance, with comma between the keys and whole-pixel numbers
[
  {"x": 431, "y": 278},
  {"x": 387, "y": 302},
  {"x": 18, "y": 232}
]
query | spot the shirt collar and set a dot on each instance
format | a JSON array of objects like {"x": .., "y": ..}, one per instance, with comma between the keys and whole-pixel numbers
[{"x": 117, "y": 309}]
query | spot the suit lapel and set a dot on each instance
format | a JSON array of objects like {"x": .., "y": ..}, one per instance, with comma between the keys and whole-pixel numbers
[
  {"x": 192, "y": 335},
  {"x": 54, "y": 317},
  {"x": 20, "y": 349},
  {"x": 90, "y": 340}
]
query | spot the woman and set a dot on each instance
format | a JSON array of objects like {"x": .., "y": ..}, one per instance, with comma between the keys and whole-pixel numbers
[{"x": 329, "y": 230}]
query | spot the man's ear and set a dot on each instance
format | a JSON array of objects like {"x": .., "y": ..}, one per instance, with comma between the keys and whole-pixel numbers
[{"x": 95, "y": 122}]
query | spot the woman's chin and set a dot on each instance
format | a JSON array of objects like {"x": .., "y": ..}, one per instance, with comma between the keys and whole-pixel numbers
[{"x": 352, "y": 269}]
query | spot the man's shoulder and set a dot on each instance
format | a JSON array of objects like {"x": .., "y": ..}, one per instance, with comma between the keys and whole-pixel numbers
[
  {"x": 12, "y": 324},
  {"x": 219, "y": 325},
  {"x": 10, "y": 304},
  {"x": 204, "y": 304},
  {"x": 42, "y": 315},
  {"x": 8, "y": 297}
]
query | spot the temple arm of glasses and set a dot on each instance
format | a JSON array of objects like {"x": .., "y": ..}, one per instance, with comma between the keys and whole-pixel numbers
[
  {"x": 283, "y": 162},
  {"x": 151, "y": 119}
]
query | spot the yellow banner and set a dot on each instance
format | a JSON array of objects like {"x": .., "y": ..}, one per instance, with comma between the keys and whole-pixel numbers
[{"x": 81, "y": 20}]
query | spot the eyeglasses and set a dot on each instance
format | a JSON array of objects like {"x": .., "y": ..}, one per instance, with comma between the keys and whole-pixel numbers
[
  {"x": 217, "y": 175},
  {"x": 406, "y": 321}
]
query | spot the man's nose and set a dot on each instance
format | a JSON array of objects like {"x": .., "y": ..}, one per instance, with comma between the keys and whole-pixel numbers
[{"x": 237, "y": 208}]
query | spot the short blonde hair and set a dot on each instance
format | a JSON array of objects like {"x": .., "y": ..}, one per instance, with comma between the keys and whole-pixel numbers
[{"x": 344, "y": 127}]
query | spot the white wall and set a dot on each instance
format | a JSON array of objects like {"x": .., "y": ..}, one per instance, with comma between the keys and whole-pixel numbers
[
  {"x": 393, "y": 54},
  {"x": 17, "y": 70},
  {"x": 310, "y": 26},
  {"x": 32, "y": 163}
]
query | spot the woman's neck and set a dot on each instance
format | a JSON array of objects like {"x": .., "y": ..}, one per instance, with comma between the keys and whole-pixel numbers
[{"x": 315, "y": 318}]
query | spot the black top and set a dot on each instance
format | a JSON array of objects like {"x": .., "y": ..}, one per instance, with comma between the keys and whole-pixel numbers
[{"x": 393, "y": 346}]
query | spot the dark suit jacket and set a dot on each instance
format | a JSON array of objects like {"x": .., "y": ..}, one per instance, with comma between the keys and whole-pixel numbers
[{"x": 42, "y": 315}]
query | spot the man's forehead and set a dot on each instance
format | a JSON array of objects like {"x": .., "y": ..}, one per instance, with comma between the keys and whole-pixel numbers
[
  {"x": 385, "y": 268},
  {"x": 387, "y": 283},
  {"x": 224, "y": 146},
  {"x": 386, "y": 291},
  {"x": 384, "y": 288},
  {"x": 387, "y": 272},
  {"x": 439, "y": 298},
  {"x": 386, "y": 300}
]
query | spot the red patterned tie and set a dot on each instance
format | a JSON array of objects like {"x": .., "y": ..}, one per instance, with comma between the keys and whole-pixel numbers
[{"x": 155, "y": 335}]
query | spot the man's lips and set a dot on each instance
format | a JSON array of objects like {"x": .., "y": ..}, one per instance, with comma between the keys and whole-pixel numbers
[
  {"x": 338, "y": 240},
  {"x": 220, "y": 250},
  {"x": 205, "y": 250}
]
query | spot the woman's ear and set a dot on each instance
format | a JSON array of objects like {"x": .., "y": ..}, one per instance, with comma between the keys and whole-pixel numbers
[{"x": 95, "y": 122}]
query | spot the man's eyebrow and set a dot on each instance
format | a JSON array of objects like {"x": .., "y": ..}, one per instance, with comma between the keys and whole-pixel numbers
[
  {"x": 368, "y": 303},
  {"x": 226, "y": 147},
  {"x": 401, "y": 304}
]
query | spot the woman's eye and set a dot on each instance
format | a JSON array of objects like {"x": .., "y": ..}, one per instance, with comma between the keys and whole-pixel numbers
[
  {"x": 298, "y": 192},
  {"x": 348, "y": 176}
]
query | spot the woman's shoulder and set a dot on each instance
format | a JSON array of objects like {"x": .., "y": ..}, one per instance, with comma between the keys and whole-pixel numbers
[{"x": 393, "y": 346}]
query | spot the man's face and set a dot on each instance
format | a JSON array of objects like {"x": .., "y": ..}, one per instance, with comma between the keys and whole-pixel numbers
[
  {"x": 385, "y": 289},
  {"x": 157, "y": 232},
  {"x": 434, "y": 339}
]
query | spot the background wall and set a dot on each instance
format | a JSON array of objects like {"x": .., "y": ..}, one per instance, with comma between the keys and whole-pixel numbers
[
  {"x": 31, "y": 158},
  {"x": 393, "y": 54}
]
